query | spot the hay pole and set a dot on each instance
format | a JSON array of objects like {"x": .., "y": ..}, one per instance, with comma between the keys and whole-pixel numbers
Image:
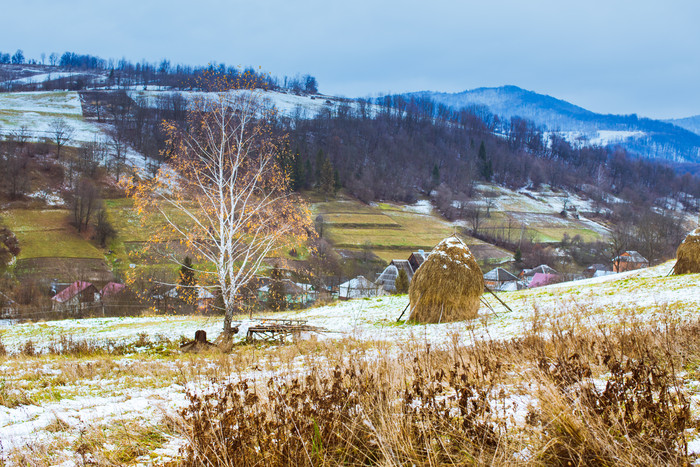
[
  {"x": 409, "y": 304},
  {"x": 497, "y": 298},
  {"x": 488, "y": 305},
  {"x": 404, "y": 311},
  {"x": 672, "y": 269}
]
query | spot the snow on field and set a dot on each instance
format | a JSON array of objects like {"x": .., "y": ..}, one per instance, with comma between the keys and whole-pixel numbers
[
  {"x": 541, "y": 207},
  {"x": 22, "y": 425},
  {"x": 113, "y": 400},
  {"x": 59, "y": 102},
  {"x": 52, "y": 198},
  {"x": 40, "y": 78},
  {"x": 287, "y": 103},
  {"x": 421, "y": 206},
  {"x": 37, "y": 110},
  {"x": 597, "y": 137}
]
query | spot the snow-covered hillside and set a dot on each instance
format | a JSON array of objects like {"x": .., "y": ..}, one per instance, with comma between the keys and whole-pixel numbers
[
  {"x": 34, "y": 112},
  {"x": 375, "y": 319}
]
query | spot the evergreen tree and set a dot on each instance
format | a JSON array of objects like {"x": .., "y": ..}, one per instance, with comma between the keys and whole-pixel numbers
[
  {"x": 186, "y": 284},
  {"x": 402, "y": 282},
  {"x": 336, "y": 180},
  {"x": 299, "y": 179},
  {"x": 435, "y": 175},
  {"x": 485, "y": 164},
  {"x": 308, "y": 174},
  {"x": 319, "y": 167},
  {"x": 327, "y": 181},
  {"x": 276, "y": 298},
  {"x": 518, "y": 256},
  {"x": 287, "y": 162}
]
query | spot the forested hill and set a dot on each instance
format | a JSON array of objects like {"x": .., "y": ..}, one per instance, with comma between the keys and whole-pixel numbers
[
  {"x": 669, "y": 140},
  {"x": 399, "y": 154}
]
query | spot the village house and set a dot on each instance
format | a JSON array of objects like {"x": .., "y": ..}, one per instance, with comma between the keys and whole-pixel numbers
[
  {"x": 111, "y": 289},
  {"x": 628, "y": 261},
  {"x": 540, "y": 279},
  {"x": 76, "y": 297},
  {"x": 203, "y": 301},
  {"x": 499, "y": 279},
  {"x": 529, "y": 274},
  {"x": 594, "y": 270},
  {"x": 416, "y": 259},
  {"x": 387, "y": 279},
  {"x": 8, "y": 307},
  {"x": 295, "y": 293},
  {"x": 359, "y": 287}
]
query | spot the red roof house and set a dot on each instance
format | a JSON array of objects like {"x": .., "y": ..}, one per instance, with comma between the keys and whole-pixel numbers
[
  {"x": 111, "y": 289},
  {"x": 76, "y": 295},
  {"x": 540, "y": 279}
]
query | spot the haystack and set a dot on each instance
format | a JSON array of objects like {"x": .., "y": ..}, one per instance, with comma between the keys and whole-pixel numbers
[
  {"x": 447, "y": 286},
  {"x": 688, "y": 254}
]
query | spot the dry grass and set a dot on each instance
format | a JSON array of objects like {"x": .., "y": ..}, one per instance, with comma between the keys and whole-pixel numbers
[
  {"x": 607, "y": 396},
  {"x": 447, "y": 286}
]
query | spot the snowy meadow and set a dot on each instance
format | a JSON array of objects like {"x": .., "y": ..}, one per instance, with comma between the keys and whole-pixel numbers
[{"x": 591, "y": 371}]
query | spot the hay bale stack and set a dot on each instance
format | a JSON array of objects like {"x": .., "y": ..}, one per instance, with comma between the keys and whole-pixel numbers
[
  {"x": 688, "y": 254},
  {"x": 447, "y": 286}
]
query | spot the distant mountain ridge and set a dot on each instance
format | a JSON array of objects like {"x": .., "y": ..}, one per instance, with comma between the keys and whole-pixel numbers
[
  {"x": 689, "y": 123},
  {"x": 673, "y": 140}
]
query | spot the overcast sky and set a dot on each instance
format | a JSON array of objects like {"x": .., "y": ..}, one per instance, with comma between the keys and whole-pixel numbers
[{"x": 609, "y": 56}]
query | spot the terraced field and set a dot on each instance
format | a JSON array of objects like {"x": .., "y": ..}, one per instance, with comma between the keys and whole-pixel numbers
[
  {"x": 47, "y": 233},
  {"x": 389, "y": 230}
]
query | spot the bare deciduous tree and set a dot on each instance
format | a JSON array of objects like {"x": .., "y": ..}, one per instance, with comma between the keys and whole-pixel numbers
[
  {"x": 85, "y": 201},
  {"x": 21, "y": 135},
  {"x": 223, "y": 194},
  {"x": 118, "y": 145},
  {"x": 16, "y": 174},
  {"x": 473, "y": 216},
  {"x": 61, "y": 133}
]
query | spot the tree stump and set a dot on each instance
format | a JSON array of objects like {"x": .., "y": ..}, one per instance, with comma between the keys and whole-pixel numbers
[{"x": 199, "y": 343}]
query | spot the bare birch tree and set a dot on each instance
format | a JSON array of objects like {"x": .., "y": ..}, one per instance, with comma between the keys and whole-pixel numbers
[{"x": 223, "y": 193}]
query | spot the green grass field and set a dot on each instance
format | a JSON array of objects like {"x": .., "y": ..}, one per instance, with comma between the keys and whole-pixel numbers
[{"x": 47, "y": 233}]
